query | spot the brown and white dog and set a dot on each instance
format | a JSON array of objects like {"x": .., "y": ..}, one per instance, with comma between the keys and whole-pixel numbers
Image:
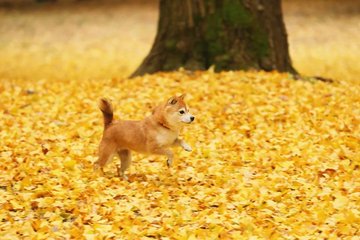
[{"x": 153, "y": 135}]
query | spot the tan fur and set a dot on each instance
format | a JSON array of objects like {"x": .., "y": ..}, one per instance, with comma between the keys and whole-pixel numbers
[{"x": 153, "y": 135}]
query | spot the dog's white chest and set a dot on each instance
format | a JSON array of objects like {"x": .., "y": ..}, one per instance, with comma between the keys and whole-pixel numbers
[{"x": 166, "y": 137}]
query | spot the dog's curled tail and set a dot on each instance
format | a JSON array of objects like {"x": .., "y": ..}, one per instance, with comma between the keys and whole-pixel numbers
[{"x": 107, "y": 111}]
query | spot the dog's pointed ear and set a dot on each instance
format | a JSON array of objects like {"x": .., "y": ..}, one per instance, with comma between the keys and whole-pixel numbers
[
  {"x": 172, "y": 101},
  {"x": 182, "y": 96}
]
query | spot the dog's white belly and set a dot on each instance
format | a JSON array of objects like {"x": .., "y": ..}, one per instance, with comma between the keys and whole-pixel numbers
[{"x": 166, "y": 138}]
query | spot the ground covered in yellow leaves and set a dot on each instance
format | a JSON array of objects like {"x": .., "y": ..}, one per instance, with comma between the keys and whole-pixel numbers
[{"x": 272, "y": 157}]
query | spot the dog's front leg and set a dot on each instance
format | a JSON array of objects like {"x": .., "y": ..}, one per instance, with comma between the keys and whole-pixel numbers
[
  {"x": 166, "y": 152},
  {"x": 183, "y": 144}
]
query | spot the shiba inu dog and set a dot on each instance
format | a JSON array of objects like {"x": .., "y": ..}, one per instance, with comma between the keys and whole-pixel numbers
[{"x": 153, "y": 135}]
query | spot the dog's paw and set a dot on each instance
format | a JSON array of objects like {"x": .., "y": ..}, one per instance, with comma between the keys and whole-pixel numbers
[
  {"x": 121, "y": 174},
  {"x": 125, "y": 177},
  {"x": 187, "y": 147},
  {"x": 169, "y": 163}
]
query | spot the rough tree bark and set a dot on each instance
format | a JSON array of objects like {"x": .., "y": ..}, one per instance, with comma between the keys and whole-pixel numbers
[{"x": 229, "y": 34}]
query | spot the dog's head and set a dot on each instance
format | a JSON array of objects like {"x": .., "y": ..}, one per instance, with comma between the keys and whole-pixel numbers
[{"x": 176, "y": 111}]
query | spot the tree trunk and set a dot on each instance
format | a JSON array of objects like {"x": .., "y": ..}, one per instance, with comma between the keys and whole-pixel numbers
[{"x": 228, "y": 34}]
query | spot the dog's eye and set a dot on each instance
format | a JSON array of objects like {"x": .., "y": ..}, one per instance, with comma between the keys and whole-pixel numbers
[{"x": 181, "y": 111}]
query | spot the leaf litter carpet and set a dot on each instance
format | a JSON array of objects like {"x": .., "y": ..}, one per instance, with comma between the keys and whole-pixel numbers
[{"x": 272, "y": 158}]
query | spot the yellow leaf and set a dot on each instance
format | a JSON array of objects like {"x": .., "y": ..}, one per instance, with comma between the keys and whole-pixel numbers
[
  {"x": 69, "y": 163},
  {"x": 340, "y": 202}
]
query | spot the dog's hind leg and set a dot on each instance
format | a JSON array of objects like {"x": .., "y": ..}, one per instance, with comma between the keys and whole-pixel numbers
[
  {"x": 106, "y": 152},
  {"x": 125, "y": 158}
]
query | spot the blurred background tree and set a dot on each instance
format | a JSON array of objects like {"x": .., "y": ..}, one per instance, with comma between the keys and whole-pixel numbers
[
  {"x": 226, "y": 34},
  {"x": 80, "y": 39}
]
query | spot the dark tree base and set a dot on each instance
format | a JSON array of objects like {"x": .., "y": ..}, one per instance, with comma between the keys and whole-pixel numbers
[{"x": 227, "y": 34}]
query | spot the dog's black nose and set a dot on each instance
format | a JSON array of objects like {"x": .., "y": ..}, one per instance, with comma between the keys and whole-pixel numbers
[{"x": 192, "y": 118}]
